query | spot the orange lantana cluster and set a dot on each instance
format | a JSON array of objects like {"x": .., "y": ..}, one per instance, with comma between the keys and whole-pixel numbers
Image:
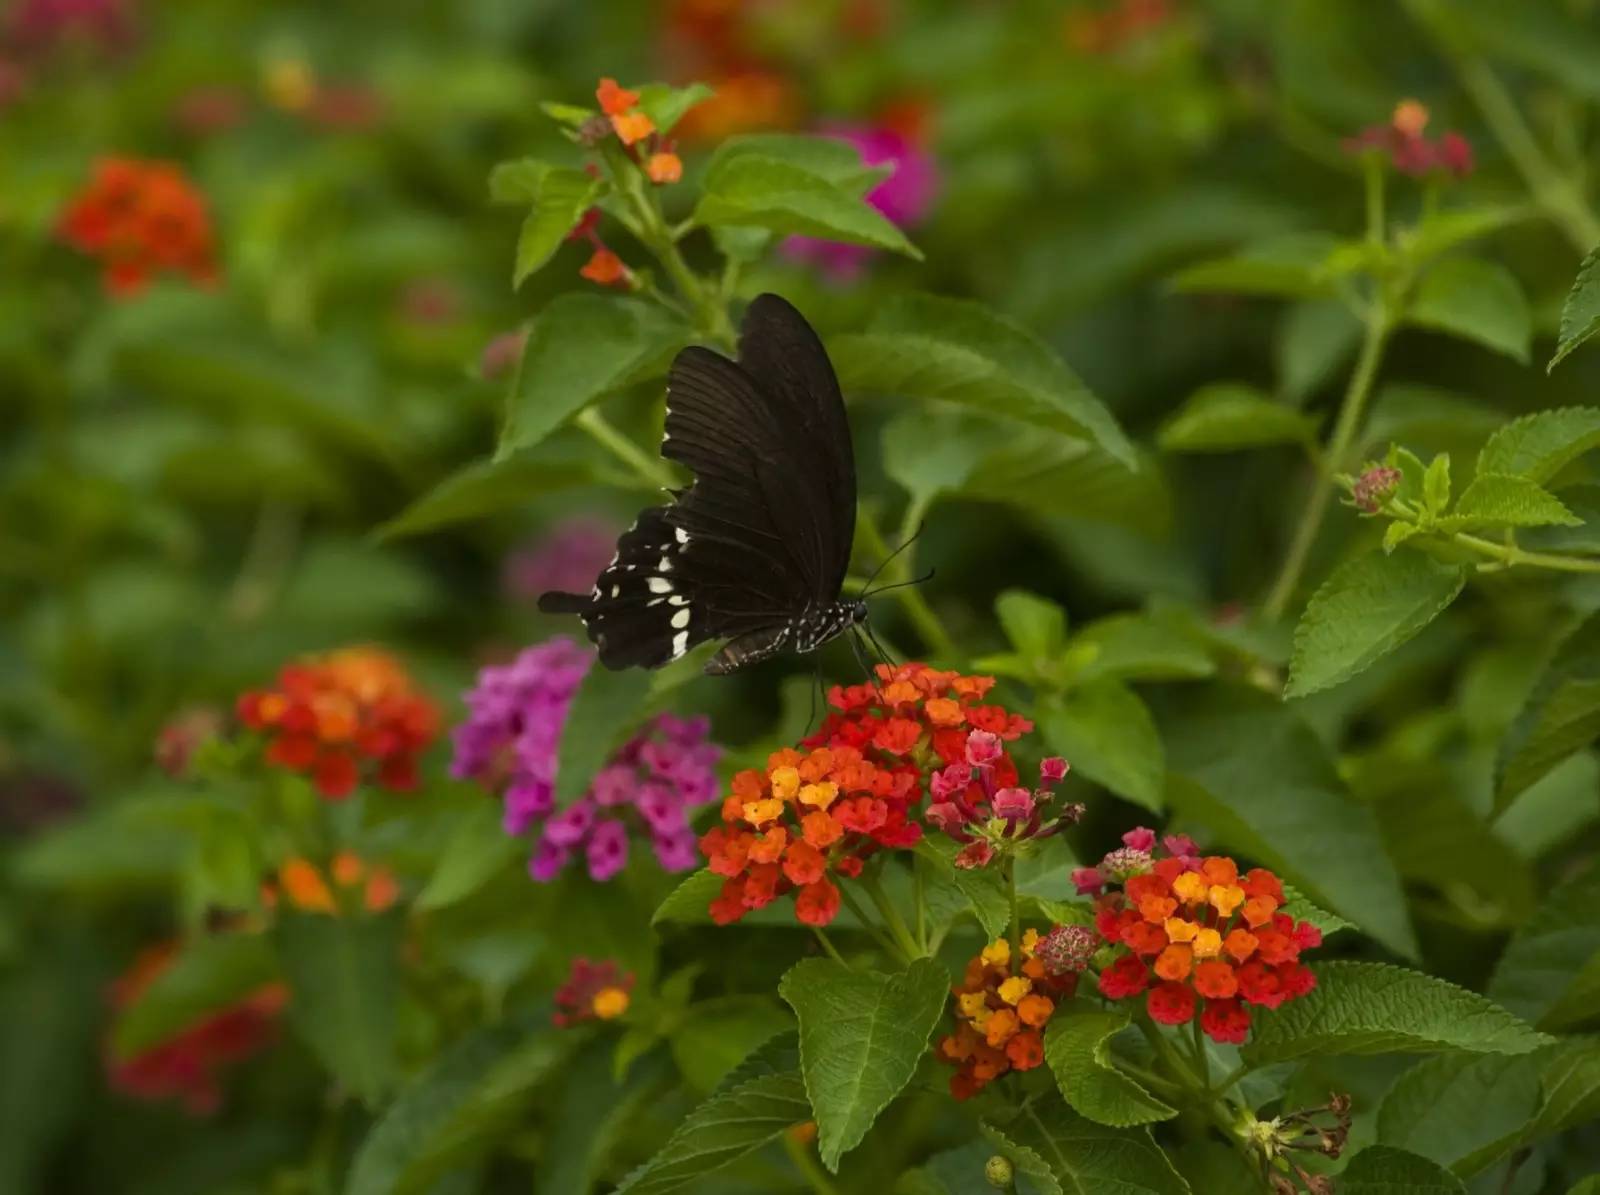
[
  {"x": 141, "y": 220},
  {"x": 1199, "y": 933},
  {"x": 847, "y": 792},
  {"x": 304, "y": 886},
  {"x": 338, "y": 715},
  {"x": 1001, "y": 1013}
]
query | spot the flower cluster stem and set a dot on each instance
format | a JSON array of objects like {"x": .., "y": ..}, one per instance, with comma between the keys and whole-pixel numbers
[
  {"x": 898, "y": 930},
  {"x": 652, "y": 472},
  {"x": 817, "y": 1178},
  {"x": 888, "y": 944},
  {"x": 1014, "y": 926}
]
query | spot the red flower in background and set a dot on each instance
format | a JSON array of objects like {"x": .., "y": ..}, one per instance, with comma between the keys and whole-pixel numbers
[
  {"x": 187, "y": 1065},
  {"x": 593, "y": 992},
  {"x": 142, "y": 220},
  {"x": 340, "y": 716},
  {"x": 1402, "y": 142},
  {"x": 847, "y": 792}
]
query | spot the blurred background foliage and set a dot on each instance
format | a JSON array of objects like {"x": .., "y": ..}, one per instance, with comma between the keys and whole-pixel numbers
[{"x": 192, "y": 479}]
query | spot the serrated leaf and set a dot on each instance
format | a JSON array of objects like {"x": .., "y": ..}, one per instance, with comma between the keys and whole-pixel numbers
[
  {"x": 951, "y": 350},
  {"x": 666, "y": 105},
  {"x": 1560, "y": 716},
  {"x": 605, "y": 712},
  {"x": 1540, "y": 445},
  {"x": 1107, "y": 734},
  {"x": 1366, "y": 609},
  {"x": 1463, "y": 1111},
  {"x": 979, "y": 891},
  {"x": 562, "y": 198},
  {"x": 580, "y": 348},
  {"x": 1548, "y": 954},
  {"x": 1397, "y": 533},
  {"x": 1230, "y": 416},
  {"x": 1299, "y": 906},
  {"x": 1580, "y": 314},
  {"x": 1481, "y": 301},
  {"x": 1384, "y": 1170},
  {"x": 1571, "y": 1088},
  {"x": 1291, "y": 266},
  {"x": 753, "y": 1107},
  {"x": 477, "y": 850},
  {"x": 458, "y": 1105},
  {"x": 344, "y": 985},
  {"x": 862, "y": 1035},
  {"x": 1504, "y": 500},
  {"x": 206, "y": 975},
  {"x": 1076, "y": 1046},
  {"x": 753, "y": 189},
  {"x": 1063, "y": 1153},
  {"x": 1436, "y": 484},
  {"x": 1247, "y": 768},
  {"x": 484, "y": 488},
  {"x": 1035, "y": 626},
  {"x": 689, "y": 901},
  {"x": 1139, "y": 647},
  {"x": 567, "y": 114},
  {"x": 1374, "y": 1008}
]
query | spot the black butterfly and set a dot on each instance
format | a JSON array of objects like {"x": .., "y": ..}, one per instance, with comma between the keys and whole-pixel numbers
[{"x": 755, "y": 550}]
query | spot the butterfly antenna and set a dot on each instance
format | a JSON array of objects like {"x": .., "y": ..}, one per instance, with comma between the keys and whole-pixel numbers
[
  {"x": 922, "y": 580},
  {"x": 906, "y": 543},
  {"x": 811, "y": 717},
  {"x": 857, "y": 642},
  {"x": 883, "y": 652}
]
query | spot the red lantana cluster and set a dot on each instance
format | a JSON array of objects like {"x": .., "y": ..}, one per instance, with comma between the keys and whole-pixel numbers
[
  {"x": 1401, "y": 140},
  {"x": 341, "y": 715},
  {"x": 1198, "y": 935},
  {"x": 1001, "y": 1011},
  {"x": 186, "y": 1066},
  {"x": 593, "y": 992},
  {"x": 848, "y": 791},
  {"x": 141, "y": 219}
]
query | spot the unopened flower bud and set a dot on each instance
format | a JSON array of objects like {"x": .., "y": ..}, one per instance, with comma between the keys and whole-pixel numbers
[
  {"x": 1125, "y": 863},
  {"x": 999, "y": 1171},
  {"x": 1066, "y": 949},
  {"x": 1374, "y": 487}
]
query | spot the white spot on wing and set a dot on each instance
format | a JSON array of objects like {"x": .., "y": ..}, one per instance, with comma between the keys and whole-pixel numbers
[
  {"x": 680, "y": 644},
  {"x": 680, "y": 535},
  {"x": 680, "y": 619},
  {"x": 664, "y": 565},
  {"x": 659, "y": 585},
  {"x": 616, "y": 591},
  {"x": 655, "y": 601}
]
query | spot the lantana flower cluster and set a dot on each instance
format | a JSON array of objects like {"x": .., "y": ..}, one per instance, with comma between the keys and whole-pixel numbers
[
  {"x": 187, "y": 1065},
  {"x": 509, "y": 742},
  {"x": 1002, "y": 1005},
  {"x": 1198, "y": 935},
  {"x": 977, "y": 801},
  {"x": 847, "y": 792},
  {"x": 592, "y": 992},
  {"x": 1401, "y": 141},
  {"x": 350, "y": 715},
  {"x": 141, "y": 219}
]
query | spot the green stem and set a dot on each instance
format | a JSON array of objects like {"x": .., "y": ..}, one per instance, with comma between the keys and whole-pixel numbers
[
  {"x": 647, "y": 468},
  {"x": 815, "y": 1176},
  {"x": 828, "y": 947},
  {"x": 1510, "y": 555},
  {"x": 1014, "y": 926},
  {"x": 919, "y": 889},
  {"x": 891, "y": 917},
  {"x": 1379, "y": 324},
  {"x": 916, "y": 606},
  {"x": 1202, "y": 1059},
  {"x": 888, "y": 944},
  {"x": 1372, "y": 172},
  {"x": 1232, "y": 1077}
]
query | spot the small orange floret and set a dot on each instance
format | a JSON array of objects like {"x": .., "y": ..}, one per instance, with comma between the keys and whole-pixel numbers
[
  {"x": 605, "y": 268},
  {"x": 632, "y": 127},
  {"x": 614, "y": 100},
  {"x": 664, "y": 168}
]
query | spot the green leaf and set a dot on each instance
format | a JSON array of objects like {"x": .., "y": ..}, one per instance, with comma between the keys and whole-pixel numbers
[
  {"x": 950, "y": 350},
  {"x": 753, "y": 1106},
  {"x": 1480, "y": 301},
  {"x": 1249, "y": 770},
  {"x": 517, "y": 181},
  {"x": 1063, "y": 1153},
  {"x": 466, "y": 1099},
  {"x": 207, "y": 974},
  {"x": 1561, "y": 715},
  {"x": 978, "y": 890},
  {"x": 1505, "y": 500},
  {"x": 951, "y": 1172},
  {"x": 1301, "y": 908},
  {"x": 1580, "y": 315},
  {"x": 1108, "y": 735},
  {"x": 476, "y": 852},
  {"x": 1436, "y": 484},
  {"x": 344, "y": 983},
  {"x": 862, "y": 1035},
  {"x": 486, "y": 487},
  {"x": 1035, "y": 626},
  {"x": 1076, "y": 1047},
  {"x": 666, "y": 106},
  {"x": 753, "y": 189},
  {"x": 1229, "y": 416},
  {"x": 1366, "y": 609},
  {"x": 1314, "y": 339},
  {"x": 1549, "y": 954},
  {"x": 1292, "y": 266},
  {"x": 563, "y": 196},
  {"x": 1571, "y": 1088},
  {"x": 1440, "y": 231},
  {"x": 714, "y": 1036},
  {"x": 580, "y": 348},
  {"x": 833, "y": 158},
  {"x": 689, "y": 900},
  {"x": 930, "y": 457},
  {"x": 605, "y": 712},
  {"x": 1384, "y": 1170},
  {"x": 1373, "y": 1008},
  {"x": 1463, "y": 1111},
  {"x": 1139, "y": 647},
  {"x": 1589, "y": 1186},
  {"x": 1540, "y": 445}
]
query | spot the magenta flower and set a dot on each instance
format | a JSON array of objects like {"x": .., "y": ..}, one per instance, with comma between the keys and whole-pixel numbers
[
  {"x": 986, "y": 818},
  {"x": 650, "y": 787},
  {"x": 1053, "y": 769},
  {"x": 904, "y": 196},
  {"x": 43, "y": 24},
  {"x": 568, "y": 557},
  {"x": 983, "y": 748},
  {"x": 1141, "y": 838}
]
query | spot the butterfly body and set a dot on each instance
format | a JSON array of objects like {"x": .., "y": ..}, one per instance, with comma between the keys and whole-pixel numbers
[{"x": 755, "y": 550}]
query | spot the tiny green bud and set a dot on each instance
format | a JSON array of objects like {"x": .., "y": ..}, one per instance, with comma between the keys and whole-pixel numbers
[{"x": 999, "y": 1171}]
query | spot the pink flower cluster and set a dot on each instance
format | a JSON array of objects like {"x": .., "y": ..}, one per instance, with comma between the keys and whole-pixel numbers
[
  {"x": 510, "y": 741},
  {"x": 977, "y": 801}
]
